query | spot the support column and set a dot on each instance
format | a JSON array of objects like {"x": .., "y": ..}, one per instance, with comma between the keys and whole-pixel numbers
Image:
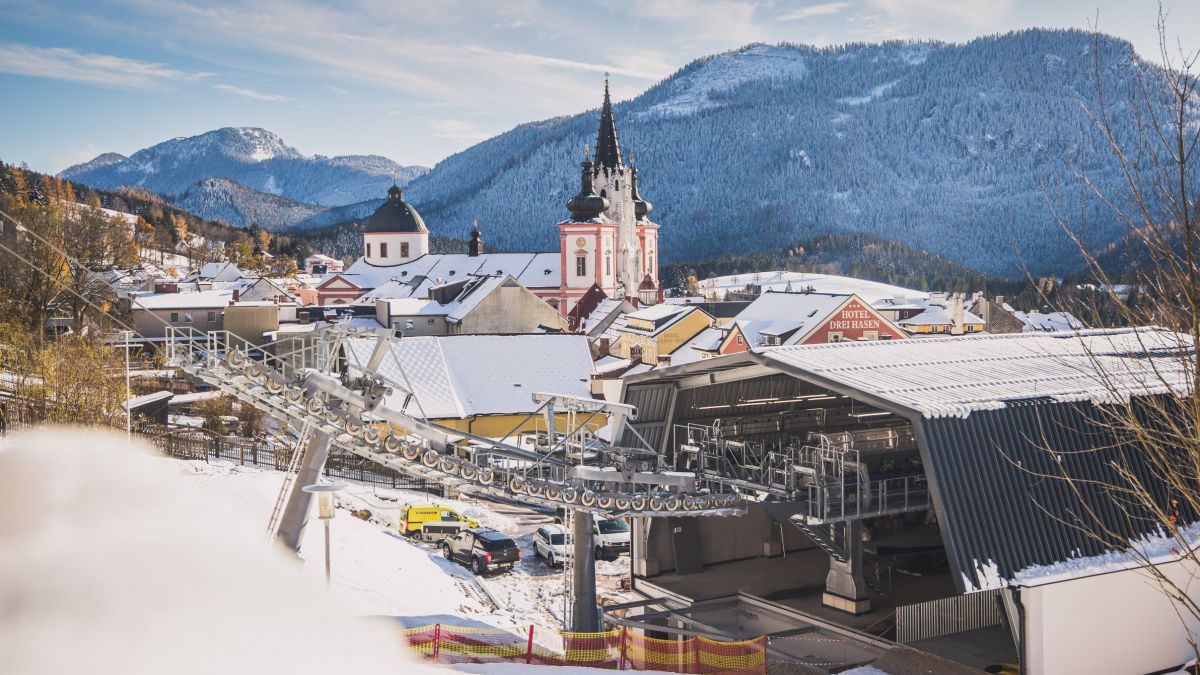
[
  {"x": 295, "y": 514},
  {"x": 845, "y": 588},
  {"x": 584, "y": 616}
]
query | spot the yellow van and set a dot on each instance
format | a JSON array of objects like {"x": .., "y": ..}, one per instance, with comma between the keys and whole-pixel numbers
[{"x": 431, "y": 522}]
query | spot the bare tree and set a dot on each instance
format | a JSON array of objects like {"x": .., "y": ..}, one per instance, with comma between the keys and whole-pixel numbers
[{"x": 1150, "y": 473}]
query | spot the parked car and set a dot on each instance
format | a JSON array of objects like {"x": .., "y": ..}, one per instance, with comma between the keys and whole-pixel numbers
[
  {"x": 482, "y": 549},
  {"x": 549, "y": 544},
  {"x": 610, "y": 535},
  {"x": 430, "y": 522}
]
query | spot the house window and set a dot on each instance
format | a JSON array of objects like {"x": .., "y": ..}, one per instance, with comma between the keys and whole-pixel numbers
[
  {"x": 404, "y": 249},
  {"x": 608, "y": 264},
  {"x": 429, "y": 322},
  {"x": 581, "y": 265},
  {"x": 650, "y": 262},
  {"x": 383, "y": 249},
  {"x": 212, "y": 317},
  {"x": 368, "y": 250},
  {"x": 408, "y": 325},
  {"x": 871, "y": 335},
  {"x": 740, "y": 339},
  {"x": 970, "y": 328},
  {"x": 174, "y": 317},
  {"x": 187, "y": 317},
  {"x": 835, "y": 337}
]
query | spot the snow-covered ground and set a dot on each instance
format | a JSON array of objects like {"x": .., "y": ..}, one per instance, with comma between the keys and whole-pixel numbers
[
  {"x": 141, "y": 564},
  {"x": 379, "y": 572}
]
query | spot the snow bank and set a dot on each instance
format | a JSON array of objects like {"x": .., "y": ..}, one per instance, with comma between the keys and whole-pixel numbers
[{"x": 109, "y": 563}]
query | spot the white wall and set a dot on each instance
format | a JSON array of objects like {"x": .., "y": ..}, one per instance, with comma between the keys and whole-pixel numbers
[
  {"x": 418, "y": 245},
  {"x": 1120, "y": 622}
]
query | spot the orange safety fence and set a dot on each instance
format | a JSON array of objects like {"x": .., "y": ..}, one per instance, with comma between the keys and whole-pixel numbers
[{"x": 617, "y": 649}]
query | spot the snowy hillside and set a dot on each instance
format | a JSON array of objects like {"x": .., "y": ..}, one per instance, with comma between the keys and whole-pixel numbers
[
  {"x": 945, "y": 147},
  {"x": 254, "y": 158}
]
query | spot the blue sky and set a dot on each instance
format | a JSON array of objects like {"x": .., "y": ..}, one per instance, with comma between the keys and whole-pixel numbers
[{"x": 417, "y": 81}]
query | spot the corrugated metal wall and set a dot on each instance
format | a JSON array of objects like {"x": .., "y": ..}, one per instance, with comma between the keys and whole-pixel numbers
[
  {"x": 1001, "y": 509},
  {"x": 652, "y": 400}
]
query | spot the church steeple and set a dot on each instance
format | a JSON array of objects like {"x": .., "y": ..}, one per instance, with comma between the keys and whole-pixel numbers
[{"x": 608, "y": 150}]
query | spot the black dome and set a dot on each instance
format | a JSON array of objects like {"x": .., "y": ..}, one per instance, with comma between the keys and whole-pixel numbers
[
  {"x": 587, "y": 205},
  {"x": 395, "y": 215}
]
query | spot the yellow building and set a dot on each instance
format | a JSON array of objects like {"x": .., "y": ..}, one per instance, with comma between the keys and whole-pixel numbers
[{"x": 657, "y": 331}]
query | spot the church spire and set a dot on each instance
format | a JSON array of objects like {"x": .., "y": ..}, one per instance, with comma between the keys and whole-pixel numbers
[{"x": 608, "y": 150}]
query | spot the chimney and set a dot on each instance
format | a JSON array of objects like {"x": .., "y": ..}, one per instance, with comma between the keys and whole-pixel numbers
[
  {"x": 236, "y": 295},
  {"x": 1000, "y": 300},
  {"x": 957, "y": 315},
  {"x": 603, "y": 346}
]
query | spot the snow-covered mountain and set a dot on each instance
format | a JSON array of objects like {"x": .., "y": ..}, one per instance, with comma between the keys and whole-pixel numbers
[
  {"x": 944, "y": 147},
  {"x": 254, "y": 158}
]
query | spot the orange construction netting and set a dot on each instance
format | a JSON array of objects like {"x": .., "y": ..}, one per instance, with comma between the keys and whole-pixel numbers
[{"x": 617, "y": 649}]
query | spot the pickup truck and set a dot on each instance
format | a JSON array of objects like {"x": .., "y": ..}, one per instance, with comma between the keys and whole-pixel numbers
[{"x": 482, "y": 549}]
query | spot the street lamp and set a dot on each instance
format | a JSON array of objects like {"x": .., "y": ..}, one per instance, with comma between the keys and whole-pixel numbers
[{"x": 325, "y": 507}]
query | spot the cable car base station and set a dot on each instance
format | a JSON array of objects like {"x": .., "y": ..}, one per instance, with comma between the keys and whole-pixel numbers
[{"x": 904, "y": 492}]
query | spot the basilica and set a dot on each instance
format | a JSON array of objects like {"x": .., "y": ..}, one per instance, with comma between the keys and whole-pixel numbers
[{"x": 608, "y": 245}]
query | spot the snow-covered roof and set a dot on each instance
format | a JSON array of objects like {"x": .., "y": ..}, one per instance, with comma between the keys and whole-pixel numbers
[
  {"x": 146, "y": 399},
  {"x": 464, "y": 375},
  {"x": 183, "y": 300},
  {"x": 656, "y": 312},
  {"x": 532, "y": 270},
  {"x": 1053, "y": 321},
  {"x": 603, "y": 311},
  {"x": 786, "y": 314},
  {"x": 952, "y": 377},
  {"x": 871, "y": 291},
  {"x": 937, "y": 315}
]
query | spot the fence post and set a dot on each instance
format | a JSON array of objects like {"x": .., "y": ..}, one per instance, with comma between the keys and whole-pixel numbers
[
  {"x": 621, "y": 658},
  {"x": 695, "y": 654},
  {"x": 437, "y": 639},
  {"x": 529, "y": 647}
]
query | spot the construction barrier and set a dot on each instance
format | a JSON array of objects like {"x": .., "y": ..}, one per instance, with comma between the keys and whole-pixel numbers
[{"x": 617, "y": 649}]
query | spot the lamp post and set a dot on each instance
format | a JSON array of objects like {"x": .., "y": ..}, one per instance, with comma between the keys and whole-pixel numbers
[
  {"x": 128, "y": 335},
  {"x": 325, "y": 506}
]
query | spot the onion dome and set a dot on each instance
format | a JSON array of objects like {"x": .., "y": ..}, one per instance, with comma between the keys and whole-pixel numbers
[
  {"x": 647, "y": 284},
  {"x": 641, "y": 207},
  {"x": 587, "y": 205},
  {"x": 395, "y": 215},
  {"x": 475, "y": 245}
]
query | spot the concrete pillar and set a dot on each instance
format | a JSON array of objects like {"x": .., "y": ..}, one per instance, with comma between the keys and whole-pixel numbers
[
  {"x": 295, "y": 514},
  {"x": 584, "y": 615},
  {"x": 845, "y": 588}
]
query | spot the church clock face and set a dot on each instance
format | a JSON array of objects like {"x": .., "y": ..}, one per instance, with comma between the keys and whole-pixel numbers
[{"x": 581, "y": 242}]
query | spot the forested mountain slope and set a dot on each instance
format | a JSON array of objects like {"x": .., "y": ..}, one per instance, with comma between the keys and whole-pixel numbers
[{"x": 944, "y": 147}]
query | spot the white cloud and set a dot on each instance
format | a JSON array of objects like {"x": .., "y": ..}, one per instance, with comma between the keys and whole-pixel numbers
[
  {"x": 459, "y": 131},
  {"x": 981, "y": 13},
  {"x": 823, "y": 9},
  {"x": 249, "y": 93},
  {"x": 60, "y": 63}
]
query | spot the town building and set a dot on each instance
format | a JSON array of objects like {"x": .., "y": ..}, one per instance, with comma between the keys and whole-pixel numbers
[
  {"x": 608, "y": 241},
  {"x": 321, "y": 264},
  {"x": 651, "y": 334},
  {"x": 476, "y": 305}
]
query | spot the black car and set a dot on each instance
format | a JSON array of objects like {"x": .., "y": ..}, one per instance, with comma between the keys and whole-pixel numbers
[{"x": 482, "y": 549}]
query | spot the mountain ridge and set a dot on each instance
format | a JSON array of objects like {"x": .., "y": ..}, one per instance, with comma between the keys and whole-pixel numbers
[{"x": 253, "y": 158}]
